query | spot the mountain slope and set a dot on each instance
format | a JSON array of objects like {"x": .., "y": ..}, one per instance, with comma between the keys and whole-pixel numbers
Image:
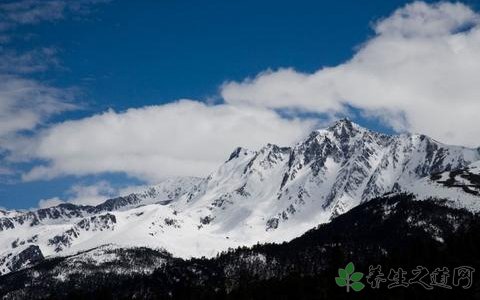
[
  {"x": 461, "y": 187},
  {"x": 271, "y": 195},
  {"x": 393, "y": 231}
]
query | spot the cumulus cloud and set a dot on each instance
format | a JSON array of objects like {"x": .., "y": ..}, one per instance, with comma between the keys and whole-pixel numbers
[
  {"x": 181, "y": 138},
  {"x": 420, "y": 72}
]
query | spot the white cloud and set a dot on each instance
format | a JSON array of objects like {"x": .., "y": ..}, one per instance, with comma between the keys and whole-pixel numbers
[
  {"x": 31, "y": 11},
  {"x": 151, "y": 143},
  {"x": 420, "y": 72},
  {"x": 14, "y": 12},
  {"x": 83, "y": 195},
  {"x": 50, "y": 202},
  {"x": 5, "y": 171},
  {"x": 37, "y": 60},
  {"x": 25, "y": 104},
  {"x": 91, "y": 194}
]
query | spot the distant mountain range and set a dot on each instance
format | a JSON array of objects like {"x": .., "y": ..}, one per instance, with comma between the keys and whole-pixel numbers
[
  {"x": 274, "y": 194},
  {"x": 394, "y": 231}
]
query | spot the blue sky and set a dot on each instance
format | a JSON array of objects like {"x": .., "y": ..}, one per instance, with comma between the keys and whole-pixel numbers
[
  {"x": 128, "y": 55},
  {"x": 132, "y": 54}
]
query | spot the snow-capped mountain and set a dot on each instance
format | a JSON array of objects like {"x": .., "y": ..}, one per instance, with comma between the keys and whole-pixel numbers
[
  {"x": 272, "y": 194},
  {"x": 386, "y": 231}
]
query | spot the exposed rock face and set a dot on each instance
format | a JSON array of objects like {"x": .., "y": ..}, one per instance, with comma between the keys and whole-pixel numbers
[{"x": 29, "y": 256}]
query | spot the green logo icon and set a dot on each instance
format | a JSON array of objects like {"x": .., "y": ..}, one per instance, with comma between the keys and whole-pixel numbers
[{"x": 349, "y": 278}]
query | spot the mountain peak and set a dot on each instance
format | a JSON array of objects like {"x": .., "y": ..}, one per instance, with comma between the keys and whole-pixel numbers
[
  {"x": 345, "y": 124},
  {"x": 342, "y": 129}
]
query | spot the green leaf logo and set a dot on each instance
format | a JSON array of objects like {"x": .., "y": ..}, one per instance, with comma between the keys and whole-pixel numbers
[{"x": 349, "y": 278}]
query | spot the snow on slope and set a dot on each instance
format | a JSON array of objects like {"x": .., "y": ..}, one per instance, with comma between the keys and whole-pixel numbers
[
  {"x": 273, "y": 194},
  {"x": 460, "y": 187}
]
